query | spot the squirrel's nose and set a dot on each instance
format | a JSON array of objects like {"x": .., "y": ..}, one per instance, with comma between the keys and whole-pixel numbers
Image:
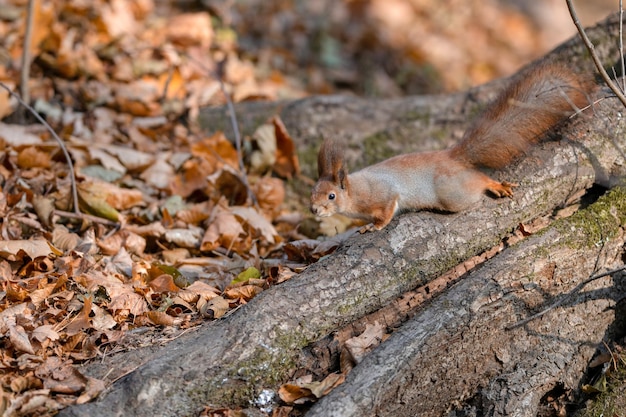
[{"x": 313, "y": 209}]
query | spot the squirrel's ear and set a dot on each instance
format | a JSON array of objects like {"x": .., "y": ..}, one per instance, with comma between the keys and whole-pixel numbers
[
  {"x": 340, "y": 178},
  {"x": 330, "y": 162}
]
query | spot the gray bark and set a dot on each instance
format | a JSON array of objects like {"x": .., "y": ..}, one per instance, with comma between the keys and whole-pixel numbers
[{"x": 458, "y": 341}]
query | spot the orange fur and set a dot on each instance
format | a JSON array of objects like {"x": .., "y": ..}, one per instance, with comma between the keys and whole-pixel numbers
[{"x": 534, "y": 102}]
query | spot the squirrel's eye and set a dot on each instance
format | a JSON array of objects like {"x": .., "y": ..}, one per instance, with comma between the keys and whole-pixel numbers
[{"x": 331, "y": 196}]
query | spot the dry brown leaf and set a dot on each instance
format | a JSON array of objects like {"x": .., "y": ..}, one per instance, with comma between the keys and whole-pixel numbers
[
  {"x": 261, "y": 227},
  {"x": 102, "y": 320},
  {"x": 270, "y": 193},
  {"x": 132, "y": 302},
  {"x": 139, "y": 98},
  {"x": 65, "y": 380},
  {"x": 160, "y": 173},
  {"x": 6, "y": 105},
  {"x": 244, "y": 292},
  {"x": 19, "y": 135},
  {"x": 161, "y": 318},
  {"x": 93, "y": 200},
  {"x": 10, "y": 249},
  {"x": 123, "y": 297},
  {"x": 192, "y": 177},
  {"x": 263, "y": 158},
  {"x": 38, "y": 296},
  {"x": 155, "y": 229},
  {"x": 82, "y": 321},
  {"x": 215, "y": 308},
  {"x": 32, "y": 157},
  {"x": 174, "y": 256},
  {"x": 191, "y": 29},
  {"x": 134, "y": 243},
  {"x": 130, "y": 158},
  {"x": 117, "y": 18},
  {"x": 360, "y": 345},
  {"x": 108, "y": 161},
  {"x": 43, "y": 332},
  {"x": 287, "y": 164},
  {"x": 185, "y": 238},
  {"x": 194, "y": 215},
  {"x": 117, "y": 197},
  {"x": 19, "y": 339},
  {"x": 112, "y": 244},
  {"x": 229, "y": 185},
  {"x": 64, "y": 239},
  {"x": 300, "y": 250},
  {"x": 305, "y": 390},
  {"x": 281, "y": 274},
  {"x": 163, "y": 283},
  {"x": 322, "y": 388},
  {"x": 294, "y": 394},
  {"x": 225, "y": 230},
  {"x": 198, "y": 289},
  {"x": 216, "y": 150},
  {"x": 92, "y": 389},
  {"x": 42, "y": 22}
]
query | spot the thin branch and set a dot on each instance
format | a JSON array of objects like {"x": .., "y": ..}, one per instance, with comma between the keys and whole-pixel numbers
[
  {"x": 233, "y": 121},
  {"x": 238, "y": 141},
  {"x": 565, "y": 297},
  {"x": 85, "y": 216},
  {"x": 594, "y": 55},
  {"x": 57, "y": 138},
  {"x": 621, "y": 44},
  {"x": 26, "y": 53}
]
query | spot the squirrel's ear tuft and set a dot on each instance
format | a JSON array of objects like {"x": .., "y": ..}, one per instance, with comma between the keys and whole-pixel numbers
[{"x": 330, "y": 162}]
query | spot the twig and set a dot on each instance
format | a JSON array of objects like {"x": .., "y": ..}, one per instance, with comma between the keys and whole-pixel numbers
[
  {"x": 238, "y": 142},
  {"x": 565, "y": 297},
  {"x": 26, "y": 55},
  {"x": 57, "y": 138},
  {"x": 217, "y": 74},
  {"x": 85, "y": 216},
  {"x": 621, "y": 44},
  {"x": 594, "y": 55}
]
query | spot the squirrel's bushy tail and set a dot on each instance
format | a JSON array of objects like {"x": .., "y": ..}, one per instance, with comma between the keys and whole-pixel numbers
[{"x": 536, "y": 100}]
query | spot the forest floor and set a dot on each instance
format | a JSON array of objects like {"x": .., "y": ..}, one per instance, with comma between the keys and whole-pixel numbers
[{"x": 174, "y": 233}]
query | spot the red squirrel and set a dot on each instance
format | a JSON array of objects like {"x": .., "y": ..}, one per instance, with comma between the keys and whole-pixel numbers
[{"x": 535, "y": 101}]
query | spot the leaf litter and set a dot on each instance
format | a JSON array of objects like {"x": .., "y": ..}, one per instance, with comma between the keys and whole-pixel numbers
[
  {"x": 170, "y": 236},
  {"x": 172, "y": 233}
]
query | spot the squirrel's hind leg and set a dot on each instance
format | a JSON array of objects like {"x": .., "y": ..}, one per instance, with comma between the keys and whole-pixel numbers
[{"x": 501, "y": 189}]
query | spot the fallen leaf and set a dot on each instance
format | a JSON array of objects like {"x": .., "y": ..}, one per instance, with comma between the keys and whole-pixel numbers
[
  {"x": 262, "y": 228},
  {"x": 287, "y": 164},
  {"x": 44, "y": 332},
  {"x": 245, "y": 292},
  {"x": 35, "y": 248},
  {"x": 225, "y": 231},
  {"x": 19, "y": 339},
  {"x": 32, "y": 157},
  {"x": 371, "y": 337},
  {"x": 191, "y": 29},
  {"x": 185, "y": 238},
  {"x": 163, "y": 283},
  {"x": 215, "y": 308}
]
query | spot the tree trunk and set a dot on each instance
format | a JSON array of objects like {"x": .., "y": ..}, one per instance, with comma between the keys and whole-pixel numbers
[{"x": 455, "y": 353}]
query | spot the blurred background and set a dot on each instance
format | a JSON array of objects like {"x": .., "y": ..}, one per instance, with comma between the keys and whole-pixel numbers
[{"x": 393, "y": 47}]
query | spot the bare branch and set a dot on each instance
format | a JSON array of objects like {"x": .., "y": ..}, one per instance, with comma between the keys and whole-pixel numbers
[
  {"x": 57, "y": 138},
  {"x": 26, "y": 56},
  {"x": 594, "y": 55}
]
